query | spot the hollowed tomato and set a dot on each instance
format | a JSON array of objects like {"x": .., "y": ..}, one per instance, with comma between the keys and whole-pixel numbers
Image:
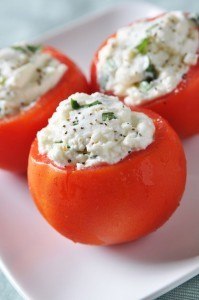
[
  {"x": 17, "y": 132},
  {"x": 111, "y": 204}
]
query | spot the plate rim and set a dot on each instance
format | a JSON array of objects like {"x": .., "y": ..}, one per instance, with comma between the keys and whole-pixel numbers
[
  {"x": 89, "y": 17},
  {"x": 52, "y": 33},
  {"x": 8, "y": 275}
]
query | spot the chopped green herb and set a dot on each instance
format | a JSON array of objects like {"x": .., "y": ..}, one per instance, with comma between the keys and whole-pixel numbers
[
  {"x": 132, "y": 54},
  {"x": 68, "y": 147},
  {"x": 150, "y": 73},
  {"x": 195, "y": 19},
  {"x": 2, "y": 80},
  {"x": 76, "y": 105},
  {"x": 108, "y": 116},
  {"x": 92, "y": 103},
  {"x": 145, "y": 86},
  {"x": 143, "y": 46},
  {"x": 34, "y": 48},
  {"x": 58, "y": 142},
  {"x": 19, "y": 48},
  {"x": 31, "y": 48}
]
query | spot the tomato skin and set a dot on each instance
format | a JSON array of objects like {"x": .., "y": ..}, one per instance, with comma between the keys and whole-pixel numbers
[
  {"x": 18, "y": 132},
  {"x": 112, "y": 204},
  {"x": 180, "y": 107}
]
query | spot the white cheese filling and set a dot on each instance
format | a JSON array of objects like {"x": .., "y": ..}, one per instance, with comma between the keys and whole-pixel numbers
[
  {"x": 148, "y": 59},
  {"x": 26, "y": 73},
  {"x": 87, "y": 130}
]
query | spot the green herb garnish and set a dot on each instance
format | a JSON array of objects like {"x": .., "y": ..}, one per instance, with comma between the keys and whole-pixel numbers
[
  {"x": 33, "y": 48},
  {"x": 25, "y": 48},
  {"x": 2, "y": 80},
  {"x": 58, "y": 142},
  {"x": 195, "y": 19},
  {"x": 132, "y": 54},
  {"x": 76, "y": 105},
  {"x": 150, "y": 73},
  {"x": 108, "y": 116},
  {"x": 92, "y": 103},
  {"x": 19, "y": 48},
  {"x": 143, "y": 46}
]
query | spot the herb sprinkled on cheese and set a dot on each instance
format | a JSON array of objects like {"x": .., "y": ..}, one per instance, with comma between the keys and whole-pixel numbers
[
  {"x": 149, "y": 58},
  {"x": 76, "y": 105},
  {"x": 26, "y": 73},
  {"x": 88, "y": 130},
  {"x": 108, "y": 116}
]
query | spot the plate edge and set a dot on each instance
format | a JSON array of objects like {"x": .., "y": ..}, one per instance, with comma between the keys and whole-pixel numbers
[
  {"x": 12, "y": 281},
  {"x": 71, "y": 25},
  {"x": 178, "y": 282}
]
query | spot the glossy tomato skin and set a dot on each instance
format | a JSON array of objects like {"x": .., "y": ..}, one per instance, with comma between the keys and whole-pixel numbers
[
  {"x": 18, "y": 132},
  {"x": 112, "y": 204},
  {"x": 180, "y": 107}
]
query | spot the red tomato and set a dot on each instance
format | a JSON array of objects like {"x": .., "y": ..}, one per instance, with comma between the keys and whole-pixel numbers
[
  {"x": 180, "y": 107},
  {"x": 111, "y": 204},
  {"x": 17, "y": 132}
]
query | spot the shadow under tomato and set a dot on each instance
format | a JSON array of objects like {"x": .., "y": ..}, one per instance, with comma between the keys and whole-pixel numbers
[{"x": 178, "y": 239}]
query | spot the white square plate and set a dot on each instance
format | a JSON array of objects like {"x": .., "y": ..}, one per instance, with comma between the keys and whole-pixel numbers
[{"x": 43, "y": 265}]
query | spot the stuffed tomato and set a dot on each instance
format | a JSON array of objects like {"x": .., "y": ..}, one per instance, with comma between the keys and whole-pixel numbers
[
  {"x": 154, "y": 64},
  {"x": 103, "y": 174},
  {"x": 33, "y": 80}
]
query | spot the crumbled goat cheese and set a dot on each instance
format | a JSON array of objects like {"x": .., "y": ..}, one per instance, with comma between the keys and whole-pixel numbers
[
  {"x": 148, "y": 58},
  {"x": 87, "y": 130},
  {"x": 26, "y": 73}
]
